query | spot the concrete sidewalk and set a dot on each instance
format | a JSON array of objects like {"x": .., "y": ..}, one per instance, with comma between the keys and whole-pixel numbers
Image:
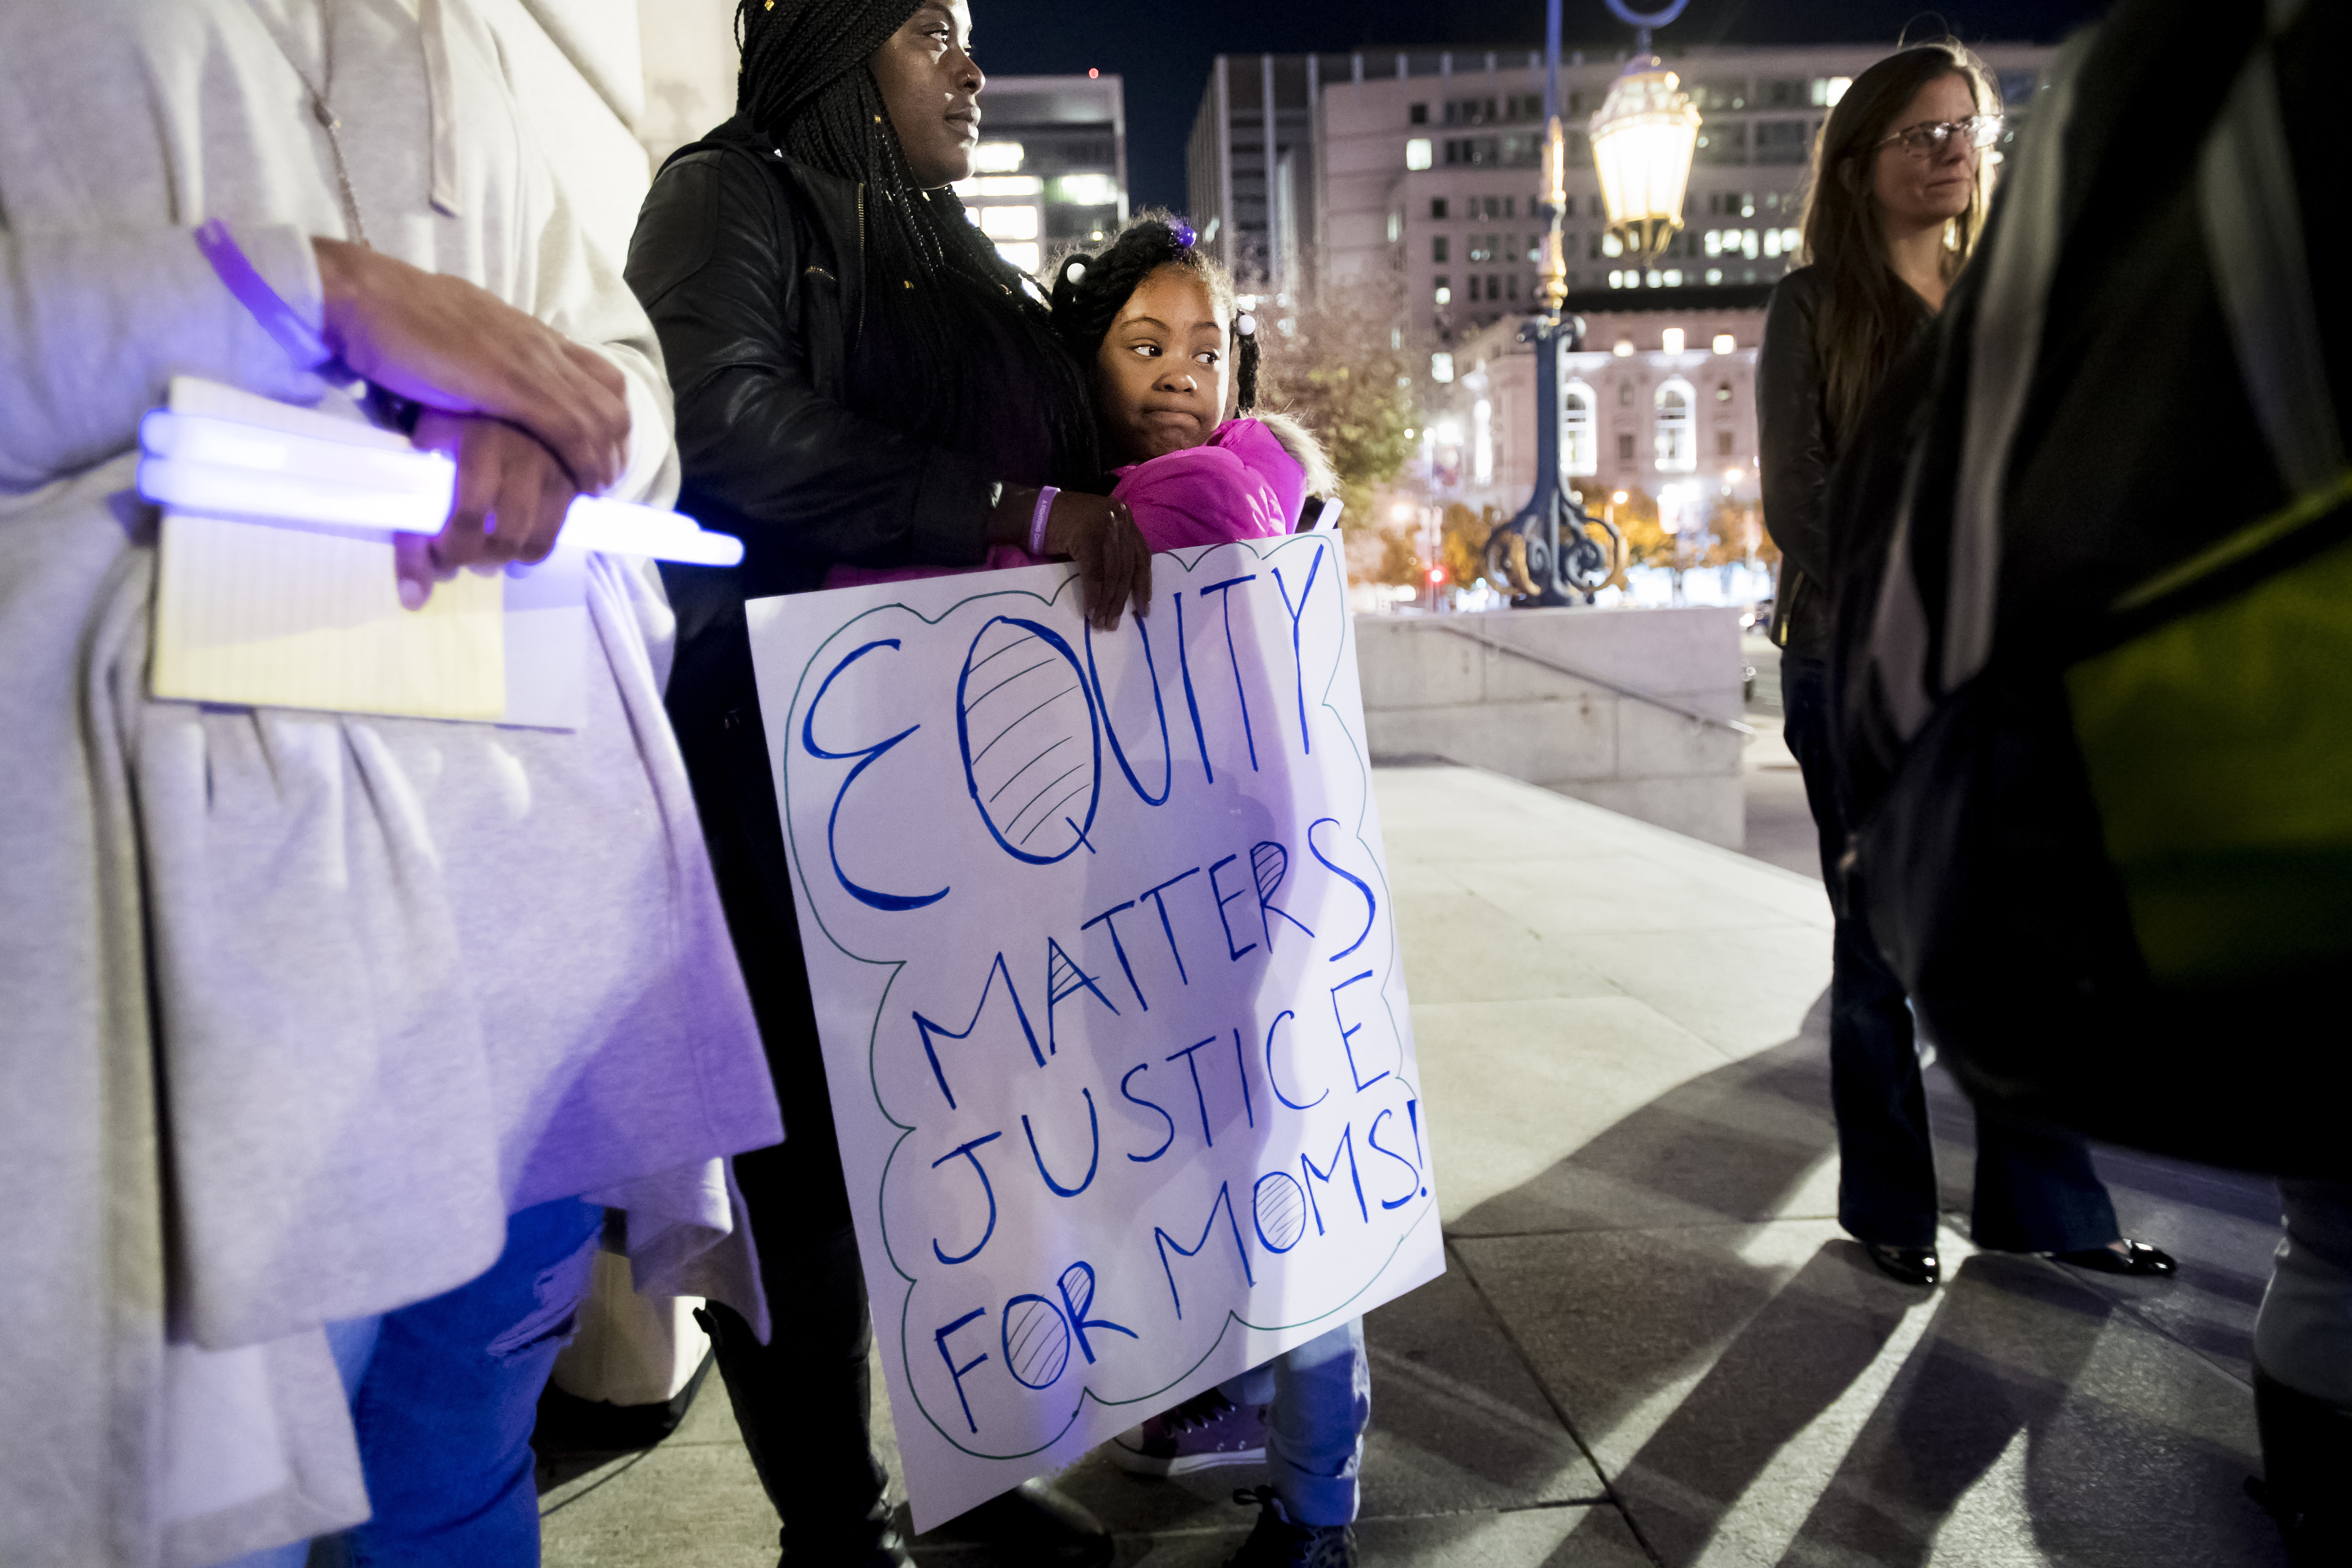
[{"x": 1655, "y": 1345}]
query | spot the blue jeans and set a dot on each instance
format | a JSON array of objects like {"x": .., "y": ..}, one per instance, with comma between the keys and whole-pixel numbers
[
  {"x": 1319, "y": 1399},
  {"x": 2035, "y": 1188},
  {"x": 444, "y": 1395}
]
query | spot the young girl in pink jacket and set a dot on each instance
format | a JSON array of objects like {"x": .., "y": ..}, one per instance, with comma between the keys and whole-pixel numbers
[{"x": 1153, "y": 322}]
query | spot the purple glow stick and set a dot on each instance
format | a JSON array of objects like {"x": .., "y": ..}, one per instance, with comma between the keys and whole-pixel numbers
[{"x": 284, "y": 324}]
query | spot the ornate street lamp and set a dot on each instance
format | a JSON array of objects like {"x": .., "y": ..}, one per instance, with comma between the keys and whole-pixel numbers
[
  {"x": 1552, "y": 552},
  {"x": 1642, "y": 142}
]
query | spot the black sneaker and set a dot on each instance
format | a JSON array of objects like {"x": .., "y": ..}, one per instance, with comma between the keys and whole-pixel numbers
[{"x": 1280, "y": 1541}]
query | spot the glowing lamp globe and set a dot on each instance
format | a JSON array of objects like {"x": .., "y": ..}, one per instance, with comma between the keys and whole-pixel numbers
[{"x": 1642, "y": 142}]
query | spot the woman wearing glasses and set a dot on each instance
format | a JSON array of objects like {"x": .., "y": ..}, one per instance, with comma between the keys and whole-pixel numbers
[{"x": 1897, "y": 201}]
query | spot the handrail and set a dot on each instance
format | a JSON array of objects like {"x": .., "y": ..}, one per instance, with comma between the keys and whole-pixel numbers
[{"x": 1557, "y": 668}]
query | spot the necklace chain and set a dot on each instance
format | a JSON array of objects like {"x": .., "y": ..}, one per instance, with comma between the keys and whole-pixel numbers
[{"x": 322, "y": 109}]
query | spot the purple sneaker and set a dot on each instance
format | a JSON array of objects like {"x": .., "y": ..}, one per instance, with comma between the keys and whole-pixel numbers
[{"x": 1207, "y": 1432}]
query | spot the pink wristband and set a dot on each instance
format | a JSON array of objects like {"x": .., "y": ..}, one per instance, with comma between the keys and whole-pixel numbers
[{"x": 1037, "y": 520}]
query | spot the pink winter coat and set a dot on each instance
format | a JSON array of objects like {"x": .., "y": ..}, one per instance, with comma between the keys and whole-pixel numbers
[{"x": 1241, "y": 483}]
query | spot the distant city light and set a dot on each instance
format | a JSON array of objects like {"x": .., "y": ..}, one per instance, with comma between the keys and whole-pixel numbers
[
  {"x": 1092, "y": 74},
  {"x": 1618, "y": 499},
  {"x": 1416, "y": 153},
  {"x": 1009, "y": 222},
  {"x": 1671, "y": 339},
  {"x": 1089, "y": 190},
  {"x": 997, "y": 157},
  {"x": 992, "y": 185},
  {"x": 1624, "y": 349},
  {"x": 1724, "y": 343},
  {"x": 1022, "y": 253},
  {"x": 1449, "y": 434},
  {"x": 1401, "y": 512},
  {"x": 1441, "y": 368}
]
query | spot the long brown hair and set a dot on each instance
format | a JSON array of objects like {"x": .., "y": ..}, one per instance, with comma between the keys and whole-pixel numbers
[{"x": 1865, "y": 317}]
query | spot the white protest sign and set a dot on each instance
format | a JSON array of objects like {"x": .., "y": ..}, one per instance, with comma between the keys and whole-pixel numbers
[{"x": 1098, "y": 931}]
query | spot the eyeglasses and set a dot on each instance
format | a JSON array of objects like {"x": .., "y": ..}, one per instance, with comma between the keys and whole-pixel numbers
[{"x": 1978, "y": 130}]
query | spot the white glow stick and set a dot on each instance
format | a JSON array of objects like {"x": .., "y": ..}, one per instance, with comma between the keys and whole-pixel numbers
[{"x": 593, "y": 523}]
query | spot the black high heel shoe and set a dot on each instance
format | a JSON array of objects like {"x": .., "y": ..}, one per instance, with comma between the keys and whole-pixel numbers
[
  {"x": 1911, "y": 1265},
  {"x": 2137, "y": 1257}
]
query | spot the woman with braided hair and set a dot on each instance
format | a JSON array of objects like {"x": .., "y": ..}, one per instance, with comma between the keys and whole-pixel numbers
[{"x": 860, "y": 381}]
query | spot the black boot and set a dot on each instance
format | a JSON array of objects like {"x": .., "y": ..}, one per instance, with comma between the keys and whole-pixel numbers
[
  {"x": 2306, "y": 1472},
  {"x": 804, "y": 1404}
]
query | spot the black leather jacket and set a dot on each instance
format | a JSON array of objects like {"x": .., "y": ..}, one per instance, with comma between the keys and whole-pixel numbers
[
  {"x": 751, "y": 268},
  {"x": 1798, "y": 444}
]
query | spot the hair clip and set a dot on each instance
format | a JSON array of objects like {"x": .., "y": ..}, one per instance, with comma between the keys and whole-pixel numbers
[
  {"x": 1183, "y": 233},
  {"x": 1076, "y": 272},
  {"x": 1246, "y": 325}
]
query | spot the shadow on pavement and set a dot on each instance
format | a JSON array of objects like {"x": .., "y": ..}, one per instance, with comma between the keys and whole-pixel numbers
[{"x": 2023, "y": 1412}]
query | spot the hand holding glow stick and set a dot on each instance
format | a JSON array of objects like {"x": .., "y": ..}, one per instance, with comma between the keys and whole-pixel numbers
[{"x": 207, "y": 464}]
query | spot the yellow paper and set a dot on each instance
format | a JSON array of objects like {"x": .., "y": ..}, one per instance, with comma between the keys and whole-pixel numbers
[{"x": 264, "y": 615}]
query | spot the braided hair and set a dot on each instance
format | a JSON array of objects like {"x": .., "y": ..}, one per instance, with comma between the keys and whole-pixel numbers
[
  {"x": 1090, "y": 291},
  {"x": 955, "y": 344}
]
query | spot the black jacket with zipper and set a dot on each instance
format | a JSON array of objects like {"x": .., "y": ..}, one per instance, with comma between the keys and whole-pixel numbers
[
  {"x": 1797, "y": 446},
  {"x": 752, "y": 268}
]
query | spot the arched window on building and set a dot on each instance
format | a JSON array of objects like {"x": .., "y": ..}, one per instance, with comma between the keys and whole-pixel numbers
[
  {"x": 1677, "y": 432},
  {"x": 1580, "y": 450}
]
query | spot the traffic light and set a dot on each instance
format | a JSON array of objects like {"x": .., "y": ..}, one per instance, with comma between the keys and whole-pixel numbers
[{"x": 1436, "y": 576}]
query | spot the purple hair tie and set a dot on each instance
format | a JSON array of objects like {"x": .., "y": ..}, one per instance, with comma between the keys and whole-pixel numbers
[{"x": 1183, "y": 233}]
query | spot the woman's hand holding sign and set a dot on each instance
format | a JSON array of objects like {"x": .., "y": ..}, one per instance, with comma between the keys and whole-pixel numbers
[{"x": 1097, "y": 533}]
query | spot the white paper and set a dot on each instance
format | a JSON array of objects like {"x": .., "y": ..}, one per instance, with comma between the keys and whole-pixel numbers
[{"x": 1107, "y": 987}]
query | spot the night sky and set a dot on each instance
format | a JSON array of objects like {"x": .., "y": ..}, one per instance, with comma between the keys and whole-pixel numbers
[{"x": 1165, "y": 51}]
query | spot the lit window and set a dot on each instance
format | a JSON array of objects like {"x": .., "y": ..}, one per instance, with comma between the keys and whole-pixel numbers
[
  {"x": 1482, "y": 443},
  {"x": 1396, "y": 227},
  {"x": 1715, "y": 275},
  {"x": 1009, "y": 222},
  {"x": 1416, "y": 153},
  {"x": 1723, "y": 341},
  {"x": 1445, "y": 290},
  {"x": 999, "y": 185},
  {"x": 996, "y": 157},
  {"x": 1612, "y": 246},
  {"x": 1671, "y": 339},
  {"x": 1022, "y": 253},
  {"x": 1441, "y": 367},
  {"x": 1723, "y": 392},
  {"x": 1089, "y": 190},
  {"x": 1622, "y": 348},
  {"x": 1678, "y": 447},
  {"x": 1578, "y": 452},
  {"x": 1674, "y": 278}
]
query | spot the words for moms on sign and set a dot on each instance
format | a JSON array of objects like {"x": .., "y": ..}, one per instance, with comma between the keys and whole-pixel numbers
[{"x": 1099, "y": 932}]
